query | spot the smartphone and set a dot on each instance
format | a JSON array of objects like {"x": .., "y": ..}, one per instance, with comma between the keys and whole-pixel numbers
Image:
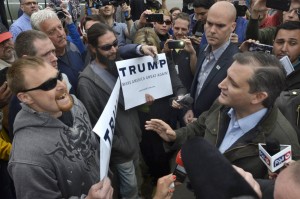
[
  {"x": 260, "y": 48},
  {"x": 198, "y": 34},
  {"x": 176, "y": 44},
  {"x": 3, "y": 75},
  {"x": 283, "y": 5},
  {"x": 155, "y": 18}
]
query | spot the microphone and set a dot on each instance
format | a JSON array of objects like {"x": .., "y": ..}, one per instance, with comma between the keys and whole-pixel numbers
[
  {"x": 273, "y": 154},
  {"x": 186, "y": 101},
  {"x": 179, "y": 170},
  {"x": 272, "y": 146}
]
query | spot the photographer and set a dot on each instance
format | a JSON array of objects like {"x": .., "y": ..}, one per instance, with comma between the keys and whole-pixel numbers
[
  {"x": 266, "y": 35},
  {"x": 139, "y": 6},
  {"x": 70, "y": 28},
  {"x": 72, "y": 6},
  {"x": 107, "y": 10}
]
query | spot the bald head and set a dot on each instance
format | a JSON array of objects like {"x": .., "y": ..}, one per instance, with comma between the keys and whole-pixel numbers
[
  {"x": 224, "y": 7},
  {"x": 220, "y": 23}
]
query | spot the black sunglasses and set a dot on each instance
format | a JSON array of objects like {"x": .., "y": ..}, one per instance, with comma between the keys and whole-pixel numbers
[
  {"x": 167, "y": 22},
  {"x": 47, "y": 85},
  {"x": 107, "y": 47}
]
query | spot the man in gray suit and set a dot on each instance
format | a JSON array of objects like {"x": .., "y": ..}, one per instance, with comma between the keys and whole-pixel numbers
[{"x": 213, "y": 59}]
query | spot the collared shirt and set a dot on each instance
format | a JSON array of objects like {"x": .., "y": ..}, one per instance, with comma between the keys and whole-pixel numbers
[
  {"x": 119, "y": 29},
  {"x": 20, "y": 25},
  {"x": 211, "y": 58},
  {"x": 238, "y": 128}
]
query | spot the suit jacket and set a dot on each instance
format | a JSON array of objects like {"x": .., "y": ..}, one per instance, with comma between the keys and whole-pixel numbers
[{"x": 210, "y": 90}]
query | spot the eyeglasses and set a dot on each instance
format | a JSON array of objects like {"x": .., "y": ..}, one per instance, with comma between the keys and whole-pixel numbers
[
  {"x": 30, "y": 3},
  {"x": 167, "y": 22},
  {"x": 47, "y": 85},
  {"x": 107, "y": 47}
]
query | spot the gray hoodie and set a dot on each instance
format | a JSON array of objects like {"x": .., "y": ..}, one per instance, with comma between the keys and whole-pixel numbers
[{"x": 50, "y": 159}]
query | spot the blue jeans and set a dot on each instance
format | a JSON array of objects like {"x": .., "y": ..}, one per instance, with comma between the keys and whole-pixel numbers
[{"x": 127, "y": 180}]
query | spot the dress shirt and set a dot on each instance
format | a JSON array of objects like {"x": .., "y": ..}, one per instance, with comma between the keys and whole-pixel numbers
[
  {"x": 211, "y": 58},
  {"x": 238, "y": 128},
  {"x": 20, "y": 25}
]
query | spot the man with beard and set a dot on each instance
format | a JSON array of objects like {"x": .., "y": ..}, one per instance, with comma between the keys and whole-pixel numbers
[
  {"x": 23, "y": 23},
  {"x": 95, "y": 85},
  {"x": 70, "y": 60},
  {"x": 33, "y": 43},
  {"x": 7, "y": 56},
  {"x": 55, "y": 154}
]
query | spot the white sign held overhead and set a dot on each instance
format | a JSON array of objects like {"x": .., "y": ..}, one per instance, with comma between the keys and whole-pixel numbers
[{"x": 140, "y": 76}]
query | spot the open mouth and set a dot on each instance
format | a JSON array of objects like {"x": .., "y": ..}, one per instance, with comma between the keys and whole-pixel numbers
[{"x": 63, "y": 96}]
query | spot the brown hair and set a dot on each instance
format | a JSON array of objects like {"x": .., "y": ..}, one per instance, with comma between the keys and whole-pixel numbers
[{"x": 15, "y": 74}]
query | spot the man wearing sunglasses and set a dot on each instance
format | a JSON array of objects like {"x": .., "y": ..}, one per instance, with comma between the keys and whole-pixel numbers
[
  {"x": 23, "y": 23},
  {"x": 54, "y": 150},
  {"x": 121, "y": 29},
  {"x": 34, "y": 43},
  {"x": 95, "y": 85}
]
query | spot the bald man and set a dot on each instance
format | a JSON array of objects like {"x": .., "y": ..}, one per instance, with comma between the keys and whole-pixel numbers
[{"x": 214, "y": 59}]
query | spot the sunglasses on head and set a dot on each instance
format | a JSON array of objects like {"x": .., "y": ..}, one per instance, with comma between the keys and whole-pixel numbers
[
  {"x": 167, "y": 22},
  {"x": 107, "y": 47},
  {"x": 47, "y": 85}
]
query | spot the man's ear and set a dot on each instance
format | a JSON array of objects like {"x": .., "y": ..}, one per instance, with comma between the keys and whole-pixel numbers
[
  {"x": 259, "y": 97},
  {"x": 233, "y": 26},
  {"x": 25, "y": 98}
]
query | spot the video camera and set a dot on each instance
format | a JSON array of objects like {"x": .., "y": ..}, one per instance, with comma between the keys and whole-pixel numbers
[
  {"x": 241, "y": 8},
  {"x": 60, "y": 13},
  {"x": 100, "y": 3},
  {"x": 260, "y": 48}
]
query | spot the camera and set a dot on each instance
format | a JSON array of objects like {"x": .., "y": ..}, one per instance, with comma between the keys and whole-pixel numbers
[
  {"x": 155, "y": 18},
  {"x": 260, "y": 48},
  {"x": 60, "y": 13},
  {"x": 241, "y": 8},
  {"x": 283, "y": 5},
  {"x": 176, "y": 44},
  {"x": 3, "y": 73}
]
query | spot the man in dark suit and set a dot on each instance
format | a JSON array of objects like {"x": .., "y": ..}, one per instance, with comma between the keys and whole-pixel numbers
[{"x": 213, "y": 59}]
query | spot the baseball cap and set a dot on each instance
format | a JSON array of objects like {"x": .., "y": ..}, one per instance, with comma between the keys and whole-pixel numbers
[{"x": 4, "y": 34}]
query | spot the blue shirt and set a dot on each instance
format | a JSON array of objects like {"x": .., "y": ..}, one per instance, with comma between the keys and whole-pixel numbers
[
  {"x": 20, "y": 25},
  {"x": 238, "y": 128},
  {"x": 119, "y": 29},
  {"x": 211, "y": 58}
]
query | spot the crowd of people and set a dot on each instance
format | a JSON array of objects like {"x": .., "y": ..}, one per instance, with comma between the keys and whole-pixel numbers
[{"x": 58, "y": 70}]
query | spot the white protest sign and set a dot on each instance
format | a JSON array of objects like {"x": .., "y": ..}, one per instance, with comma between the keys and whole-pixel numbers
[
  {"x": 105, "y": 127},
  {"x": 140, "y": 76}
]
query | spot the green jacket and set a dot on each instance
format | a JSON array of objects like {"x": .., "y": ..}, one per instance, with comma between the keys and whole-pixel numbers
[
  {"x": 263, "y": 35},
  {"x": 213, "y": 124}
]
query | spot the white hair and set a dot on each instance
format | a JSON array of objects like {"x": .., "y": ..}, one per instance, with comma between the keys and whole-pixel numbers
[{"x": 40, "y": 16}]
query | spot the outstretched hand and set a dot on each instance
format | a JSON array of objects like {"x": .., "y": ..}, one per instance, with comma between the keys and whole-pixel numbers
[{"x": 162, "y": 129}]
